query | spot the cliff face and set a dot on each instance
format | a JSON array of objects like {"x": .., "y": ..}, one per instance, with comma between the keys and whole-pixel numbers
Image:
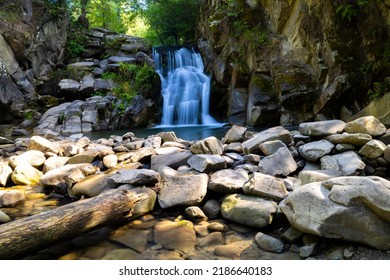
[
  {"x": 32, "y": 40},
  {"x": 289, "y": 61}
]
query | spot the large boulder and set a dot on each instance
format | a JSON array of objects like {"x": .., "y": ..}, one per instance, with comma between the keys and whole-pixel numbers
[
  {"x": 25, "y": 174},
  {"x": 178, "y": 188},
  {"x": 207, "y": 163},
  {"x": 275, "y": 133},
  {"x": 9, "y": 198},
  {"x": 266, "y": 186},
  {"x": 234, "y": 134},
  {"x": 42, "y": 144},
  {"x": 313, "y": 151},
  {"x": 173, "y": 160},
  {"x": 32, "y": 157},
  {"x": 210, "y": 145},
  {"x": 280, "y": 163},
  {"x": 373, "y": 149},
  {"x": 347, "y": 163},
  {"x": 349, "y": 208},
  {"x": 228, "y": 180},
  {"x": 368, "y": 124},
  {"x": 135, "y": 177},
  {"x": 356, "y": 139},
  {"x": 321, "y": 128},
  {"x": 5, "y": 174},
  {"x": 248, "y": 210}
]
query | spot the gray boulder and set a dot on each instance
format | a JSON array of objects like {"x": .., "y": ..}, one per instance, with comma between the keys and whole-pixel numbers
[
  {"x": 25, "y": 174},
  {"x": 280, "y": 163},
  {"x": 135, "y": 177},
  {"x": 275, "y": 133},
  {"x": 269, "y": 243},
  {"x": 270, "y": 147},
  {"x": 210, "y": 146},
  {"x": 373, "y": 149},
  {"x": 313, "y": 151},
  {"x": 321, "y": 128},
  {"x": 347, "y": 163},
  {"x": 311, "y": 176},
  {"x": 207, "y": 163},
  {"x": 356, "y": 139},
  {"x": 173, "y": 160},
  {"x": 228, "y": 180},
  {"x": 265, "y": 186},
  {"x": 368, "y": 124},
  {"x": 235, "y": 134},
  {"x": 42, "y": 144}
]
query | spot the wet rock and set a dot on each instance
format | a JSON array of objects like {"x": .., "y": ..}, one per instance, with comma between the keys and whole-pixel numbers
[
  {"x": 310, "y": 176},
  {"x": 269, "y": 243},
  {"x": 313, "y": 151},
  {"x": 25, "y": 174},
  {"x": 275, "y": 133},
  {"x": 280, "y": 163},
  {"x": 235, "y": 134},
  {"x": 133, "y": 238},
  {"x": 32, "y": 157},
  {"x": 266, "y": 186},
  {"x": 248, "y": 210},
  {"x": 207, "y": 163},
  {"x": 9, "y": 198},
  {"x": 348, "y": 208},
  {"x": 373, "y": 149},
  {"x": 228, "y": 180},
  {"x": 321, "y": 128},
  {"x": 178, "y": 188},
  {"x": 42, "y": 144},
  {"x": 175, "y": 235},
  {"x": 210, "y": 145},
  {"x": 173, "y": 160},
  {"x": 347, "y": 163},
  {"x": 369, "y": 125}
]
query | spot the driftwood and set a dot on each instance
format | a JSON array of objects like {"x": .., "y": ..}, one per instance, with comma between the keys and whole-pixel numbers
[{"x": 30, "y": 234}]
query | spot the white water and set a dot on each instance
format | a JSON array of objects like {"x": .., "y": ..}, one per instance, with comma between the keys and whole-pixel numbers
[{"x": 185, "y": 88}]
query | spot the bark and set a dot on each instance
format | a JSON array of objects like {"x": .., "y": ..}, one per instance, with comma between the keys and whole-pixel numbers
[{"x": 30, "y": 234}]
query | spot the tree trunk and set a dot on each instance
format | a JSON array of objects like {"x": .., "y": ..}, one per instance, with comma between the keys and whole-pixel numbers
[{"x": 30, "y": 234}]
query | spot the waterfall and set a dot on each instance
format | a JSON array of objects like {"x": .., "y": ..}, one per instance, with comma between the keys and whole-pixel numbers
[{"x": 185, "y": 88}]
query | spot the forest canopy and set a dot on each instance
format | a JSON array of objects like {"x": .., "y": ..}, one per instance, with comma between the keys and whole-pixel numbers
[{"x": 160, "y": 21}]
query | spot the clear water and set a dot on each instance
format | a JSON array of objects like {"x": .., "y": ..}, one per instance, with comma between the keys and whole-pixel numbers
[{"x": 185, "y": 87}]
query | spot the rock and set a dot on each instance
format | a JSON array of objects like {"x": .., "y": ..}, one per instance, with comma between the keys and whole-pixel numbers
[
  {"x": 4, "y": 141},
  {"x": 356, "y": 139},
  {"x": 233, "y": 147},
  {"x": 154, "y": 142},
  {"x": 4, "y": 218},
  {"x": 307, "y": 250},
  {"x": 280, "y": 163},
  {"x": 218, "y": 226},
  {"x": 292, "y": 235},
  {"x": 173, "y": 160},
  {"x": 72, "y": 150},
  {"x": 232, "y": 250},
  {"x": 310, "y": 176},
  {"x": 135, "y": 177},
  {"x": 168, "y": 136},
  {"x": 84, "y": 157},
  {"x": 341, "y": 148},
  {"x": 175, "y": 235},
  {"x": 347, "y": 163},
  {"x": 83, "y": 142},
  {"x": 69, "y": 85},
  {"x": 210, "y": 146},
  {"x": 265, "y": 186},
  {"x": 212, "y": 239},
  {"x": 228, "y": 180},
  {"x": 57, "y": 177},
  {"x": 235, "y": 134},
  {"x": 9, "y": 198},
  {"x": 142, "y": 153},
  {"x": 122, "y": 254},
  {"x": 194, "y": 213},
  {"x": 178, "y": 188},
  {"x": 54, "y": 162},
  {"x": 207, "y": 163},
  {"x": 25, "y": 174},
  {"x": 248, "y": 210},
  {"x": 313, "y": 151},
  {"x": 90, "y": 186},
  {"x": 211, "y": 208},
  {"x": 41, "y": 144},
  {"x": 110, "y": 161},
  {"x": 148, "y": 202},
  {"x": 373, "y": 149},
  {"x": 275, "y": 133},
  {"x": 270, "y": 147},
  {"x": 5, "y": 174},
  {"x": 321, "y": 128},
  {"x": 133, "y": 238},
  {"x": 348, "y": 208},
  {"x": 32, "y": 157},
  {"x": 269, "y": 243},
  {"x": 369, "y": 125},
  {"x": 386, "y": 153}
]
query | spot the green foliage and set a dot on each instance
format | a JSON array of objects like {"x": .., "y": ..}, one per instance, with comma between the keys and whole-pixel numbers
[{"x": 349, "y": 11}]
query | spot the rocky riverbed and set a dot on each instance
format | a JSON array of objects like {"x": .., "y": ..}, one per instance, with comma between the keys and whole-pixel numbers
[{"x": 320, "y": 192}]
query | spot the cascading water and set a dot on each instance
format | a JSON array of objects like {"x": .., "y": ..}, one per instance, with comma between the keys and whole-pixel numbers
[{"x": 185, "y": 88}]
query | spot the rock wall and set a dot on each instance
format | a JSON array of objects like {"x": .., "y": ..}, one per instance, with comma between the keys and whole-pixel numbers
[
  {"x": 31, "y": 46},
  {"x": 289, "y": 61}
]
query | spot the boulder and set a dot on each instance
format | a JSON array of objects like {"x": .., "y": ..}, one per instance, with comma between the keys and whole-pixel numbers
[
  {"x": 280, "y": 163},
  {"x": 91, "y": 186},
  {"x": 42, "y": 144},
  {"x": 5, "y": 174},
  {"x": 4, "y": 218},
  {"x": 321, "y": 128},
  {"x": 228, "y": 180},
  {"x": 248, "y": 210},
  {"x": 269, "y": 243},
  {"x": 9, "y": 198},
  {"x": 178, "y": 188},
  {"x": 207, "y": 163},
  {"x": 313, "y": 151},
  {"x": 135, "y": 177},
  {"x": 175, "y": 235},
  {"x": 211, "y": 208},
  {"x": 25, "y": 174},
  {"x": 348, "y": 208},
  {"x": 275, "y": 133},
  {"x": 235, "y": 134},
  {"x": 356, "y": 139},
  {"x": 142, "y": 153},
  {"x": 195, "y": 214},
  {"x": 311, "y": 176},
  {"x": 173, "y": 160},
  {"x": 266, "y": 186},
  {"x": 386, "y": 153},
  {"x": 210, "y": 146},
  {"x": 84, "y": 157},
  {"x": 54, "y": 162},
  {"x": 146, "y": 204},
  {"x": 347, "y": 163},
  {"x": 69, "y": 85},
  {"x": 373, "y": 149},
  {"x": 32, "y": 157},
  {"x": 270, "y": 147},
  {"x": 369, "y": 125},
  {"x": 110, "y": 161}
]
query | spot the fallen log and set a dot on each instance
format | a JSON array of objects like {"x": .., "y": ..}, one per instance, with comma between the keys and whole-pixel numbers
[{"x": 30, "y": 234}]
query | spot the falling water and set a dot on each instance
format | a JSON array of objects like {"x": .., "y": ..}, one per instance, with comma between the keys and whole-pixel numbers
[{"x": 185, "y": 88}]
